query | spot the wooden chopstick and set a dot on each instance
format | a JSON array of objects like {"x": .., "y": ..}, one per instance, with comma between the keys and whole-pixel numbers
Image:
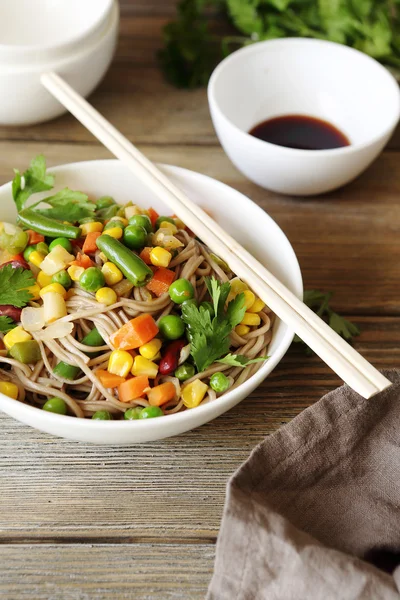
[{"x": 337, "y": 353}]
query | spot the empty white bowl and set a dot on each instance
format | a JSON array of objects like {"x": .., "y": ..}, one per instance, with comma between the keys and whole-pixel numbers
[
  {"x": 257, "y": 232},
  {"x": 310, "y": 77},
  {"x": 82, "y": 61}
]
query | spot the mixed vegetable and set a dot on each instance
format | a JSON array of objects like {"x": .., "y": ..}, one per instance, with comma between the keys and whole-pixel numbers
[{"x": 68, "y": 242}]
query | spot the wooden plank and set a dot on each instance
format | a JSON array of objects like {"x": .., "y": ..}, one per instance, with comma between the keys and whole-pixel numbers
[
  {"x": 77, "y": 572},
  {"x": 174, "y": 489},
  {"x": 346, "y": 241}
]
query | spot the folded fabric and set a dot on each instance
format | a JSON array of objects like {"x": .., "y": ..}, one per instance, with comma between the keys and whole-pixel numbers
[{"x": 314, "y": 513}]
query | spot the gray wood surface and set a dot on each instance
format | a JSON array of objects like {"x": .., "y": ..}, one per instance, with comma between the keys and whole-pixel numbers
[{"x": 91, "y": 522}]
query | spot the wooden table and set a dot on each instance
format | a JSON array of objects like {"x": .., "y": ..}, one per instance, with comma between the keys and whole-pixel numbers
[{"x": 91, "y": 522}]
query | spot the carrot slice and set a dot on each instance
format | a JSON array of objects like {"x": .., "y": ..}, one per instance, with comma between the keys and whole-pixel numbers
[
  {"x": 109, "y": 380},
  {"x": 153, "y": 215},
  {"x": 135, "y": 333},
  {"x": 82, "y": 260},
  {"x": 161, "y": 394},
  {"x": 90, "y": 246},
  {"x": 133, "y": 388},
  {"x": 161, "y": 281},
  {"x": 145, "y": 254},
  {"x": 34, "y": 238}
]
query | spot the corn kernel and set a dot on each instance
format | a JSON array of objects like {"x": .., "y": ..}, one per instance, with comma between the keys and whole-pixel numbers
[
  {"x": 115, "y": 232},
  {"x": 111, "y": 273},
  {"x": 43, "y": 279},
  {"x": 160, "y": 257},
  {"x": 75, "y": 272},
  {"x": 106, "y": 295},
  {"x": 16, "y": 335},
  {"x": 36, "y": 258},
  {"x": 93, "y": 227},
  {"x": 193, "y": 393},
  {"x": 34, "y": 290},
  {"x": 151, "y": 349},
  {"x": 242, "y": 329},
  {"x": 251, "y": 319},
  {"x": 143, "y": 366},
  {"x": 179, "y": 223},
  {"x": 257, "y": 306},
  {"x": 237, "y": 285},
  {"x": 167, "y": 225},
  {"x": 103, "y": 257},
  {"x": 9, "y": 389},
  {"x": 249, "y": 299},
  {"x": 54, "y": 287},
  {"x": 120, "y": 363}
]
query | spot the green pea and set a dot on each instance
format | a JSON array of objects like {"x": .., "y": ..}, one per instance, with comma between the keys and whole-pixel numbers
[
  {"x": 28, "y": 251},
  {"x": 141, "y": 221},
  {"x": 161, "y": 219},
  {"x": 92, "y": 279},
  {"x": 92, "y": 219},
  {"x": 55, "y": 405},
  {"x": 104, "y": 202},
  {"x": 114, "y": 223},
  {"x": 133, "y": 413},
  {"x": 150, "y": 412},
  {"x": 63, "y": 278},
  {"x": 219, "y": 382},
  {"x": 135, "y": 237},
  {"x": 181, "y": 290},
  {"x": 42, "y": 248},
  {"x": 208, "y": 306},
  {"x": 171, "y": 327},
  {"x": 61, "y": 242},
  {"x": 185, "y": 371},
  {"x": 102, "y": 415}
]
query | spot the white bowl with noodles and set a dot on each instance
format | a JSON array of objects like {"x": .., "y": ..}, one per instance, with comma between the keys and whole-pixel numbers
[{"x": 243, "y": 219}]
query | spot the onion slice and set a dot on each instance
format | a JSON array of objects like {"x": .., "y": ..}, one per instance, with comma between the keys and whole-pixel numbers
[{"x": 55, "y": 331}]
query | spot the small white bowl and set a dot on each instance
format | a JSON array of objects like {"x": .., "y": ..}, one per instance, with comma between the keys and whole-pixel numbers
[
  {"x": 60, "y": 26},
  {"x": 257, "y": 232},
  {"x": 302, "y": 76},
  {"x": 24, "y": 100}
]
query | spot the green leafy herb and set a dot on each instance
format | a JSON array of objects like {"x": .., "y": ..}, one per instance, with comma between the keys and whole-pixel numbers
[
  {"x": 209, "y": 337},
  {"x": 67, "y": 205},
  {"x": 319, "y": 303},
  {"x": 35, "y": 179},
  {"x": 191, "y": 50},
  {"x": 237, "y": 360},
  {"x": 6, "y": 324},
  {"x": 13, "y": 284}
]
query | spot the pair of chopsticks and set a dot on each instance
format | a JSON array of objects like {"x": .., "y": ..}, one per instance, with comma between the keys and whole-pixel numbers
[{"x": 357, "y": 372}]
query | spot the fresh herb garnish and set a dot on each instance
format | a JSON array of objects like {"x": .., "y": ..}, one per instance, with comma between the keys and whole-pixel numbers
[
  {"x": 191, "y": 50},
  {"x": 319, "y": 303},
  {"x": 238, "y": 360},
  {"x": 13, "y": 284},
  {"x": 66, "y": 205},
  {"x": 209, "y": 336},
  {"x": 35, "y": 179},
  {"x": 6, "y": 324}
]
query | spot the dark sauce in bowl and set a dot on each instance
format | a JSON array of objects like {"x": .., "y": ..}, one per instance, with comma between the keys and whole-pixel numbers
[{"x": 301, "y": 132}]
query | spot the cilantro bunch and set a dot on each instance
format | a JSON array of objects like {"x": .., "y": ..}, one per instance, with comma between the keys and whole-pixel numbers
[{"x": 191, "y": 50}]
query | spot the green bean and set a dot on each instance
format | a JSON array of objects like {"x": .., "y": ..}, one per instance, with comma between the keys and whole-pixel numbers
[
  {"x": 46, "y": 226},
  {"x": 66, "y": 371},
  {"x": 133, "y": 267}
]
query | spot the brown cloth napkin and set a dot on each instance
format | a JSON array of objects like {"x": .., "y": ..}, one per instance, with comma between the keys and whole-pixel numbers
[{"x": 314, "y": 513}]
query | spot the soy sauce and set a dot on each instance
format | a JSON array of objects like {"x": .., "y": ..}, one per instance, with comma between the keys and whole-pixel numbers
[{"x": 300, "y": 131}]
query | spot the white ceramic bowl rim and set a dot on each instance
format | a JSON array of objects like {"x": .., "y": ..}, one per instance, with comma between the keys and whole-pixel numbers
[
  {"x": 99, "y": 13},
  {"x": 259, "y": 47},
  {"x": 59, "y": 63},
  {"x": 48, "y": 417}
]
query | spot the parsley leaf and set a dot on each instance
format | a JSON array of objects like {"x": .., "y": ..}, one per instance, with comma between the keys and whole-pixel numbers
[
  {"x": 67, "y": 205},
  {"x": 209, "y": 336},
  {"x": 319, "y": 302},
  {"x": 35, "y": 180},
  {"x": 13, "y": 284},
  {"x": 237, "y": 360},
  {"x": 6, "y": 324}
]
